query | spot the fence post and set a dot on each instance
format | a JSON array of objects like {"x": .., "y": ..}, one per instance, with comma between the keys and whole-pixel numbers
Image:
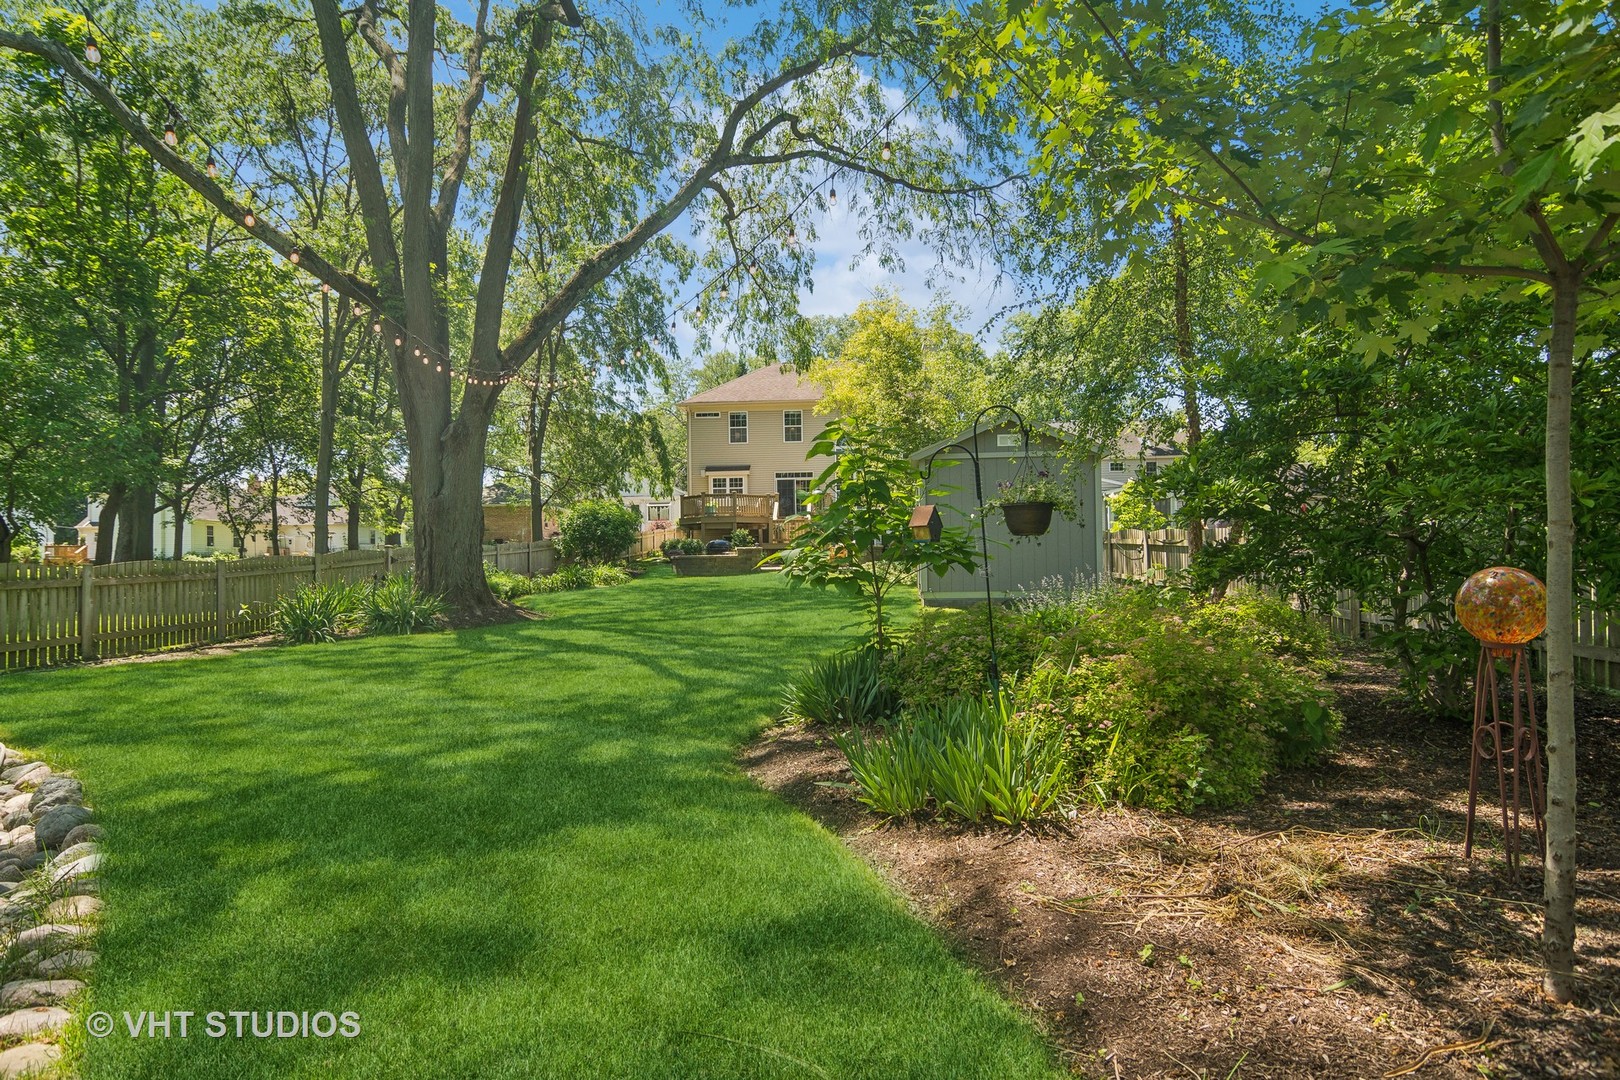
[
  {"x": 315, "y": 565},
  {"x": 388, "y": 561},
  {"x": 528, "y": 558},
  {"x": 87, "y": 612},
  {"x": 219, "y": 601}
]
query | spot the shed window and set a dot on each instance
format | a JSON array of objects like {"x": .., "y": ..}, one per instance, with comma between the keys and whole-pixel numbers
[
  {"x": 210, "y": 535},
  {"x": 793, "y": 425},
  {"x": 739, "y": 427}
]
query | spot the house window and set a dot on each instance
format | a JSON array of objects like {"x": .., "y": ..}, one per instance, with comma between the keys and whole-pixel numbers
[
  {"x": 725, "y": 485},
  {"x": 1009, "y": 438},
  {"x": 1116, "y": 466},
  {"x": 658, "y": 511},
  {"x": 210, "y": 535},
  {"x": 739, "y": 427},
  {"x": 793, "y": 425},
  {"x": 706, "y": 416},
  {"x": 1153, "y": 468},
  {"x": 374, "y": 536}
]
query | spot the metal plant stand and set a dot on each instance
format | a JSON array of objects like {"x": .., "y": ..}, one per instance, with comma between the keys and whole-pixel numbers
[
  {"x": 1512, "y": 745},
  {"x": 978, "y": 497}
]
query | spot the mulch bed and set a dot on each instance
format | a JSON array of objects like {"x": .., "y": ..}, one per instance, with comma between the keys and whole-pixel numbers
[{"x": 1331, "y": 930}]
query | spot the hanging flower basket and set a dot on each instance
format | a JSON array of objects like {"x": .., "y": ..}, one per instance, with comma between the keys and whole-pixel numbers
[{"x": 1027, "y": 518}]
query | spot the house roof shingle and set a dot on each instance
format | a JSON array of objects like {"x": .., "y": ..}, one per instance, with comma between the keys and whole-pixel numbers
[{"x": 774, "y": 382}]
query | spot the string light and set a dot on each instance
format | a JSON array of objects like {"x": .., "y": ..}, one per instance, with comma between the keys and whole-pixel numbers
[
  {"x": 249, "y": 220},
  {"x": 376, "y": 326},
  {"x": 725, "y": 293},
  {"x": 398, "y": 341},
  {"x": 211, "y": 169},
  {"x": 832, "y": 196},
  {"x": 325, "y": 288},
  {"x": 792, "y": 236},
  {"x": 170, "y": 138},
  {"x": 887, "y": 152},
  {"x": 92, "y": 51},
  {"x": 357, "y": 310},
  {"x": 293, "y": 256}
]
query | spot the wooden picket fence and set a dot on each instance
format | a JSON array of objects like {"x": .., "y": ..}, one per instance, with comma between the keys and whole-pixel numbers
[
  {"x": 1134, "y": 554},
  {"x": 55, "y": 614}
]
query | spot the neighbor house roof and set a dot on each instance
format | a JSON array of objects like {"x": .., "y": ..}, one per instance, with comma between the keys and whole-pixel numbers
[
  {"x": 774, "y": 382},
  {"x": 293, "y": 511}
]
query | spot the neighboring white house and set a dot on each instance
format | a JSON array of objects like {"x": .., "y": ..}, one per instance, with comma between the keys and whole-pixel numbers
[
  {"x": 1132, "y": 457},
  {"x": 205, "y": 531},
  {"x": 657, "y": 509}
]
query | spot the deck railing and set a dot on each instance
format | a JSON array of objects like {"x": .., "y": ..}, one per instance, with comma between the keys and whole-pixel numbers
[{"x": 756, "y": 508}]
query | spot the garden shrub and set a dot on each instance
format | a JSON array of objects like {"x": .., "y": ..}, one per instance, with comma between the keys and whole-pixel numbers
[
  {"x": 687, "y": 546},
  {"x": 1158, "y": 700},
  {"x": 507, "y": 585},
  {"x": 847, "y": 688},
  {"x": 608, "y": 575},
  {"x": 322, "y": 612},
  {"x": 565, "y": 579},
  {"x": 967, "y": 759},
  {"x": 1268, "y": 622},
  {"x": 598, "y": 531},
  {"x": 947, "y": 652},
  {"x": 743, "y": 538},
  {"x": 396, "y": 606}
]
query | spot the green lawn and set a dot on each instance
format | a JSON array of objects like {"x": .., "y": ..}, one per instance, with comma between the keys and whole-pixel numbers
[{"x": 523, "y": 851}]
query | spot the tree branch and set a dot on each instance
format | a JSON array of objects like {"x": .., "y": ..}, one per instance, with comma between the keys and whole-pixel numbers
[
  {"x": 363, "y": 164},
  {"x": 365, "y": 22},
  {"x": 611, "y": 256},
  {"x": 193, "y": 177},
  {"x": 461, "y": 141}
]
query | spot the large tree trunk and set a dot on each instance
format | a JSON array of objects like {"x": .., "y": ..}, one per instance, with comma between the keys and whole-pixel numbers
[
  {"x": 449, "y": 523},
  {"x": 179, "y": 507},
  {"x": 135, "y": 538},
  {"x": 6, "y": 534},
  {"x": 1558, "y": 930},
  {"x": 107, "y": 526},
  {"x": 1186, "y": 363},
  {"x": 330, "y": 351},
  {"x": 275, "y": 511},
  {"x": 353, "y": 505}
]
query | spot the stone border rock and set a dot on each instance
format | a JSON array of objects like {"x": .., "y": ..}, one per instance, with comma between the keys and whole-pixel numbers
[{"x": 49, "y": 856}]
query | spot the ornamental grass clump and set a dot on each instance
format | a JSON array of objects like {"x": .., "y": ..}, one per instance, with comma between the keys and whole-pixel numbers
[
  {"x": 845, "y": 689},
  {"x": 966, "y": 759},
  {"x": 321, "y": 612},
  {"x": 396, "y": 606}
]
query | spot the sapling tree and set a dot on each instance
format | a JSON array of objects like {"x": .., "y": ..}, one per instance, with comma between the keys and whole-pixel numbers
[{"x": 860, "y": 538}]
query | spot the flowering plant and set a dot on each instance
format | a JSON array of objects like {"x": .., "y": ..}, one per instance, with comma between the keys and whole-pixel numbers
[{"x": 1039, "y": 486}]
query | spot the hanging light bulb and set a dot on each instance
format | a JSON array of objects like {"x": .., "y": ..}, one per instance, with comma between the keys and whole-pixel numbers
[
  {"x": 832, "y": 196},
  {"x": 416, "y": 351},
  {"x": 672, "y": 326},
  {"x": 357, "y": 311},
  {"x": 169, "y": 136},
  {"x": 438, "y": 367},
  {"x": 325, "y": 288},
  {"x": 753, "y": 267},
  {"x": 792, "y": 236},
  {"x": 293, "y": 256},
  {"x": 398, "y": 341},
  {"x": 249, "y": 220},
  {"x": 888, "y": 151},
  {"x": 211, "y": 169},
  {"x": 376, "y": 326},
  {"x": 725, "y": 294},
  {"x": 92, "y": 51}
]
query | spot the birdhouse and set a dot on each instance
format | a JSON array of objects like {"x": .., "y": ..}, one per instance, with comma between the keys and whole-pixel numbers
[{"x": 925, "y": 522}]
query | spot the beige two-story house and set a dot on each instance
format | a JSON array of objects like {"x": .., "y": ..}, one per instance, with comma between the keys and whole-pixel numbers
[{"x": 747, "y": 444}]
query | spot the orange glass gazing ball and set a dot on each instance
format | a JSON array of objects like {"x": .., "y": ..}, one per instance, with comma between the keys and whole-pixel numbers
[{"x": 1503, "y": 606}]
